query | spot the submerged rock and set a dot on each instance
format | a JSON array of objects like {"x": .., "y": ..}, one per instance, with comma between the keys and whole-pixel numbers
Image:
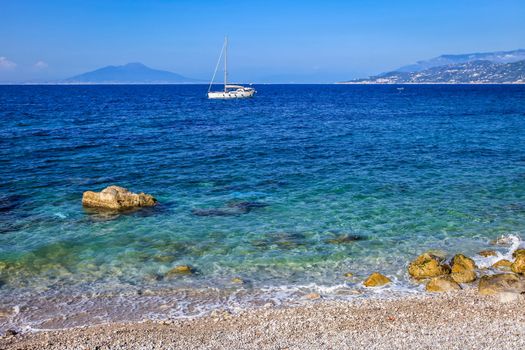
[
  {"x": 349, "y": 274},
  {"x": 237, "y": 280},
  {"x": 180, "y": 270},
  {"x": 428, "y": 265},
  {"x": 232, "y": 209},
  {"x": 442, "y": 284},
  {"x": 502, "y": 282},
  {"x": 463, "y": 269},
  {"x": 344, "y": 239},
  {"x": 502, "y": 264},
  {"x": 376, "y": 279},
  {"x": 117, "y": 198},
  {"x": 518, "y": 266},
  {"x": 487, "y": 253}
]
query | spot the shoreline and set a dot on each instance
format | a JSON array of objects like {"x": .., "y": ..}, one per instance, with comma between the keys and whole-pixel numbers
[{"x": 453, "y": 320}]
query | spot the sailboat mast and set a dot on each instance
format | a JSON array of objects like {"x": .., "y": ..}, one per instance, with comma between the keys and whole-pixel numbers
[{"x": 225, "y": 62}]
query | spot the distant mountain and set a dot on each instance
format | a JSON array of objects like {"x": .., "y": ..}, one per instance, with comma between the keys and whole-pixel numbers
[
  {"x": 445, "y": 60},
  {"x": 131, "y": 73}
]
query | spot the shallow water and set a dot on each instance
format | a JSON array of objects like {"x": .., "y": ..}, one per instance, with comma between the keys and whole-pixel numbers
[{"x": 288, "y": 191}]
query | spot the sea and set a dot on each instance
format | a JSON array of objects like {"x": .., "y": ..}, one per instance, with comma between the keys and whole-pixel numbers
[{"x": 267, "y": 199}]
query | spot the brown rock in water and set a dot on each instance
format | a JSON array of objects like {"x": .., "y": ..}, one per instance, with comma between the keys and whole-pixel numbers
[
  {"x": 180, "y": 270},
  {"x": 487, "y": 253},
  {"x": 426, "y": 266},
  {"x": 442, "y": 284},
  {"x": 349, "y": 274},
  {"x": 502, "y": 264},
  {"x": 463, "y": 269},
  {"x": 117, "y": 198},
  {"x": 518, "y": 252},
  {"x": 376, "y": 279},
  {"x": 237, "y": 280},
  {"x": 502, "y": 282},
  {"x": 312, "y": 296},
  {"x": 518, "y": 266}
]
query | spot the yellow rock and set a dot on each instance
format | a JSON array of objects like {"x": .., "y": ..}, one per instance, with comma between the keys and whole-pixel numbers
[
  {"x": 487, "y": 253},
  {"x": 427, "y": 265},
  {"x": 180, "y": 270},
  {"x": 349, "y": 274},
  {"x": 463, "y": 269},
  {"x": 466, "y": 276},
  {"x": 237, "y": 280},
  {"x": 376, "y": 279},
  {"x": 312, "y": 296},
  {"x": 442, "y": 284},
  {"x": 518, "y": 266},
  {"x": 116, "y": 197},
  {"x": 518, "y": 252},
  {"x": 494, "y": 284},
  {"x": 502, "y": 264}
]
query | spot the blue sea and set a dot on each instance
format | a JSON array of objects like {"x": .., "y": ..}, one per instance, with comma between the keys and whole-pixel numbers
[{"x": 288, "y": 191}]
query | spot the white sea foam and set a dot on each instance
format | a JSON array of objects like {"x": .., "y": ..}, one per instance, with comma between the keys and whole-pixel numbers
[{"x": 512, "y": 242}]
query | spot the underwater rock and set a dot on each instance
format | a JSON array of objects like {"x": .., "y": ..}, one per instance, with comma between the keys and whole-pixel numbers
[
  {"x": 247, "y": 206},
  {"x": 376, "y": 279},
  {"x": 427, "y": 265},
  {"x": 345, "y": 238},
  {"x": 283, "y": 240},
  {"x": 232, "y": 209},
  {"x": 442, "y": 284},
  {"x": 463, "y": 269},
  {"x": 518, "y": 266},
  {"x": 502, "y": 264},
  {"x": 487, "y": 253},
  {"x": 237, "y": 280},
  {"x": 180, "y": 270},
  {"x": 502, "y": 282},
  {"x": 348, "y": 274},
  {"x": 215, "y": 212},
  {"x": 117, "y": 198}
]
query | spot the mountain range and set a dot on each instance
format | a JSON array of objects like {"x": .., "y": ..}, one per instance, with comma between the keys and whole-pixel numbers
[
  {"x": 502, "y": 67},
  {"x": 131, "y": 73}
]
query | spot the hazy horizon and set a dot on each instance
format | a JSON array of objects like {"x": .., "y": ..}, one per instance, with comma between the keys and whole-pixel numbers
[{"x": 269, "y": 42}]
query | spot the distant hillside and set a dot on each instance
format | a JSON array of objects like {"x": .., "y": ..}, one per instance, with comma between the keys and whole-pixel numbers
[
  {"x": 131, "y": 73},
  {"x": 445, "y": 60},
  {"x": 503, "y": 67}
]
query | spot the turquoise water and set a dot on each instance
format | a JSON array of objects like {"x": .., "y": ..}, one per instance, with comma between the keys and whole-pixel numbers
[{"x": 288, "y": 191}]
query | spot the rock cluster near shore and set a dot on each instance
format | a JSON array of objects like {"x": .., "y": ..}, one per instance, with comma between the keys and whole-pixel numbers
[
  {"x": 463, "y": 270},
  {"x": 117, "y": 198}
]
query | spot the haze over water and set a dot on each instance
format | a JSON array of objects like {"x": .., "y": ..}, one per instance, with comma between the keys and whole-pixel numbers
[{"x": 288, "y": 191}]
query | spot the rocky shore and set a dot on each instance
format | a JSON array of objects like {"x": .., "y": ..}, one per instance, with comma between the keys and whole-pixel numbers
[{"x": 456, "y": 320}]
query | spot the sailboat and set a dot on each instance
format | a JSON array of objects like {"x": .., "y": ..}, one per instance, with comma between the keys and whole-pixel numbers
[{"x": 230, "y": 91}]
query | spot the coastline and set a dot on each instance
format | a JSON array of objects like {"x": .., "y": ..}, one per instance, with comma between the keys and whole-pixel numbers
[{"x": 456, "y": 320}]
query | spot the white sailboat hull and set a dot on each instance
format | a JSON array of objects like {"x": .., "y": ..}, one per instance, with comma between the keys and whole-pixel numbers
[{"x": 231, "y": 94}]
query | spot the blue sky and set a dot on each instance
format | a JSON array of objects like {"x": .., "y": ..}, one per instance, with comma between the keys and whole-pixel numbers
[{"x": 271, "y": 41}]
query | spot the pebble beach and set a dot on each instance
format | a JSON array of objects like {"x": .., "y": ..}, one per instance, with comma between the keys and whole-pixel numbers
[{"x": 457, "y": 320}]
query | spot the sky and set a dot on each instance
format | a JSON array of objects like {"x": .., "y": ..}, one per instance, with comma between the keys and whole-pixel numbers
[{"x": 270, "y": 41}]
